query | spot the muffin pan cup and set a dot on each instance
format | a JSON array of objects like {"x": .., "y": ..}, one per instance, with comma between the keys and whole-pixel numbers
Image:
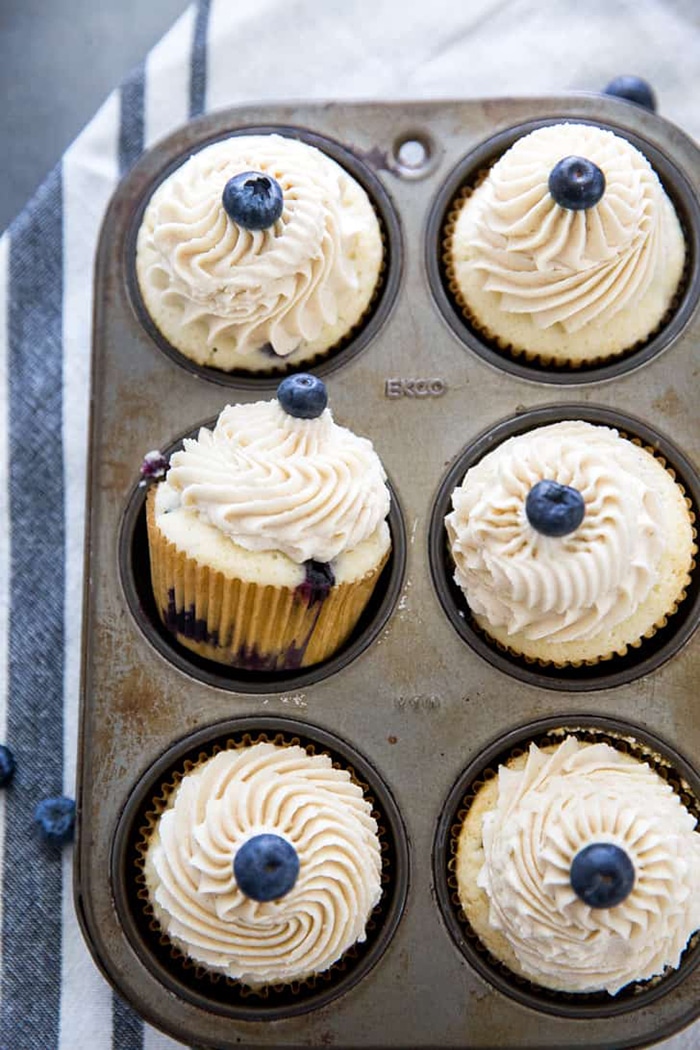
[{"x": 418, "y": 701}]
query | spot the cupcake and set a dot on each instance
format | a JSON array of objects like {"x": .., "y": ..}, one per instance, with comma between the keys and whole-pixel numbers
[
  {"x": 578, "y": 868},
  {"x": 569, "y": 251},
  {"x": 258, "y": 252},
  {"x": 268, "y": 534},
  {"x": 570, "y": 543},
  {"x": 265, "y": 865}
]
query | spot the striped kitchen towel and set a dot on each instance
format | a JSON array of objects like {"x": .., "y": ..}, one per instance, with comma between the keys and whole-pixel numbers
[{"x": 219, "y": 53}]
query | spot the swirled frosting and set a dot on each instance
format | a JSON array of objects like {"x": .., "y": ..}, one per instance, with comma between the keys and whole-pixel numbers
[
  {"x": 306, "y": 487},
  {"x": 245, "y": 289},
  {"x": 563, "y": 266},
  {"x": 560, "y": 588},
  {"x": 548, "y": 811},
  {"x": 223, "y": 803}
]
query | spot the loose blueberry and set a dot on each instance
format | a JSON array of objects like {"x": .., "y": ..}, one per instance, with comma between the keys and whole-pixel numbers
[
  {"x": 154, "y": 466},
  {"x": 632, "y": 89},
  {"x": 602, "y": 875},
  {"x": 554, "y": 509},
  {"x": 7, "y": 765},
  {"x": 253, "y": 200},
  {"x": 576, "y": 183},
  {"x": 266, "y": 867},
  {"x": 302, "y": 396},
  {"x": 56, "y": 819}
]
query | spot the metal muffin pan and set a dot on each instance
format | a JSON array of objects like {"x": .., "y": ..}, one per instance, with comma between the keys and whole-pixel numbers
[{"x": 419, "y": 702}]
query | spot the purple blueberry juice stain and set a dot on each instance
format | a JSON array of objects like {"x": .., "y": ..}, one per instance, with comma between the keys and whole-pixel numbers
[{"x": 318, "y": 580}]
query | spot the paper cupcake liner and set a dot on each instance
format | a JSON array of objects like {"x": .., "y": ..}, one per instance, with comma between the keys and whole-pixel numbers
[
  {"x": 635, "y": 994},
  {"x": 294, "y": 996},
  {"x": 249, "y": 625},
  {"x": 651, "y": 631},
  {"x": 541, "y": 360}
]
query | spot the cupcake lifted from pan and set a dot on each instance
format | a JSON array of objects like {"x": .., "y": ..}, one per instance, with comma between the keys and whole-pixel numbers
[
  {"x": 268, "y": 534},
  {"x": 571, "y": 543},
  {"x": 569, "y": 252},
  {"x": 259, "y": 252}
]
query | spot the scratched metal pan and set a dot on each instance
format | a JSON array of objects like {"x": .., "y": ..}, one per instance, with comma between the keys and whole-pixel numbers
[{"x": 418, "y": 694}]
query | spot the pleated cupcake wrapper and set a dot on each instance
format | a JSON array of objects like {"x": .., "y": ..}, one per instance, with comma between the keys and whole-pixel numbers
[
  {"x": 196, "y": 974},
  {"x": 543, "y": 360},
  {"x": 621, "y": 742},
  {"x": 245, "y": 624},
  {"x": 651, "y": 631}
]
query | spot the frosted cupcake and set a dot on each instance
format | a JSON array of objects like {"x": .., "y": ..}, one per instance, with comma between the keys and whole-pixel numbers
[
  {"x": 268, "y": 535},
  {"x": 258, "y": 252},
  {"x": 265, "y": 865},
  {"x": 578, "y": 867},
  {"x": 569, "y": 251},
  {"x": 570, "y": 543}
]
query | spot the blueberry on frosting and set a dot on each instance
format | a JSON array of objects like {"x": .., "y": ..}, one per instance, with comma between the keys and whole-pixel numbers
[
  {"x": 55, "y": 818},
  {"x": 303, "y": 396},
  {"x": 266, "y": 867},
  {"x": 576, "y": 183},
  {"x": 632, "y": 89},
  {"x": 253, "y": 200},
  {"x": 602, "y": 875},
  {"x": 554, "y": 509},
  {"x": 153, "y": 466}
]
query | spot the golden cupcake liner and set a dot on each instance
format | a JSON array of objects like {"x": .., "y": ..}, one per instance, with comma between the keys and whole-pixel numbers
[
  {"x": 249, "y": 625},
  {"x": 533, "y": 661},
  {"x": 549, "y": 361},
  {"x": 621, "y": 741},
  {"x": 197, "y": 975}
]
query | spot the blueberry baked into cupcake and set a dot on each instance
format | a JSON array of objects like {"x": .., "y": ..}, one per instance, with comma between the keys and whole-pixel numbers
[
  {"x": 569, "y": 252},
  {"x": 578, "y": 868},
  {"x": 570, "y": 543},
  {"x": 265, "y": 866},
  {"x": 259, "y": 251},
  {"x": 268, "y": 534}
]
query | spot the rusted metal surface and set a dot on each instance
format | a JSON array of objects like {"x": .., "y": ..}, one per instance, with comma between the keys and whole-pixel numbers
[{"x": 419, "y": 702}]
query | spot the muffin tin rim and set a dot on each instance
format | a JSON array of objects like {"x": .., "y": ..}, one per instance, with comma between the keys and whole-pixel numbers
[
  {"x": 520, "y": 736},
  {"x": 142, "y": 790},
  {"x": 679, "y": 190},
  {"x": 457, "y": 612},
  {"x": 388, "y": 287}
]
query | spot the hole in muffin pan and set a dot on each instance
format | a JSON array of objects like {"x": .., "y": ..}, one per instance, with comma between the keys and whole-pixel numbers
[
  {"x": 618, "y": 670},
  {"x": 357, "y": 339},
  {"x": 135, "y": 574},
  {"x": 594, "y": 728},
  {"x": 467, "y": 171},
  {"x": 216, "y": 992},
  {"x": 414, "y": 155}
]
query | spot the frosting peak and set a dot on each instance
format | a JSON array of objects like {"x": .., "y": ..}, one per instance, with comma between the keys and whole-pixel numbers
[
  {"x": 548, "y": 811},
  {"x": 270, "y": 481}
]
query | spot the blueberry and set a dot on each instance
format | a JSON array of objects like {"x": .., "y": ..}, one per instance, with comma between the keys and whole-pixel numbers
[
  {"x": 632, "y": 89},
  {"x": 602, "y": 875},
  {"x": 319, "y": 580},
  {"x": 266, "y": 867},
  {"x": 554, "y": 509},
  {"x": 302, "y": 396},
  {"x": 7, "y": 765},
  {"x": 56, "y": 819},
  {"x": 154, "y": 466},
  {"x": 576, "y": 183},
  {"x": 253, "y": 200}
]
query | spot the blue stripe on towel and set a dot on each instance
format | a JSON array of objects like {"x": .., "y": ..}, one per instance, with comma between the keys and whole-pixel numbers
[
  {"x": 131, "y": 134},
  {"x": 31, "y": 921},
  {"x": 127, "y": 1026},
  {"x": 198, "y": 67}
]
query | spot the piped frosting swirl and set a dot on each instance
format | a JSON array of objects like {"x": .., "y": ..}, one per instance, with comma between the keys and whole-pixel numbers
[
  {"x": 562, "y": 266},
  {"x": 250, "y": 288},
  {"x": 306, "y": 487},
  {"x": 549, "y": 810},
  {"x": 560, "y": 588},
  {"x": 265, "y": 788}
]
